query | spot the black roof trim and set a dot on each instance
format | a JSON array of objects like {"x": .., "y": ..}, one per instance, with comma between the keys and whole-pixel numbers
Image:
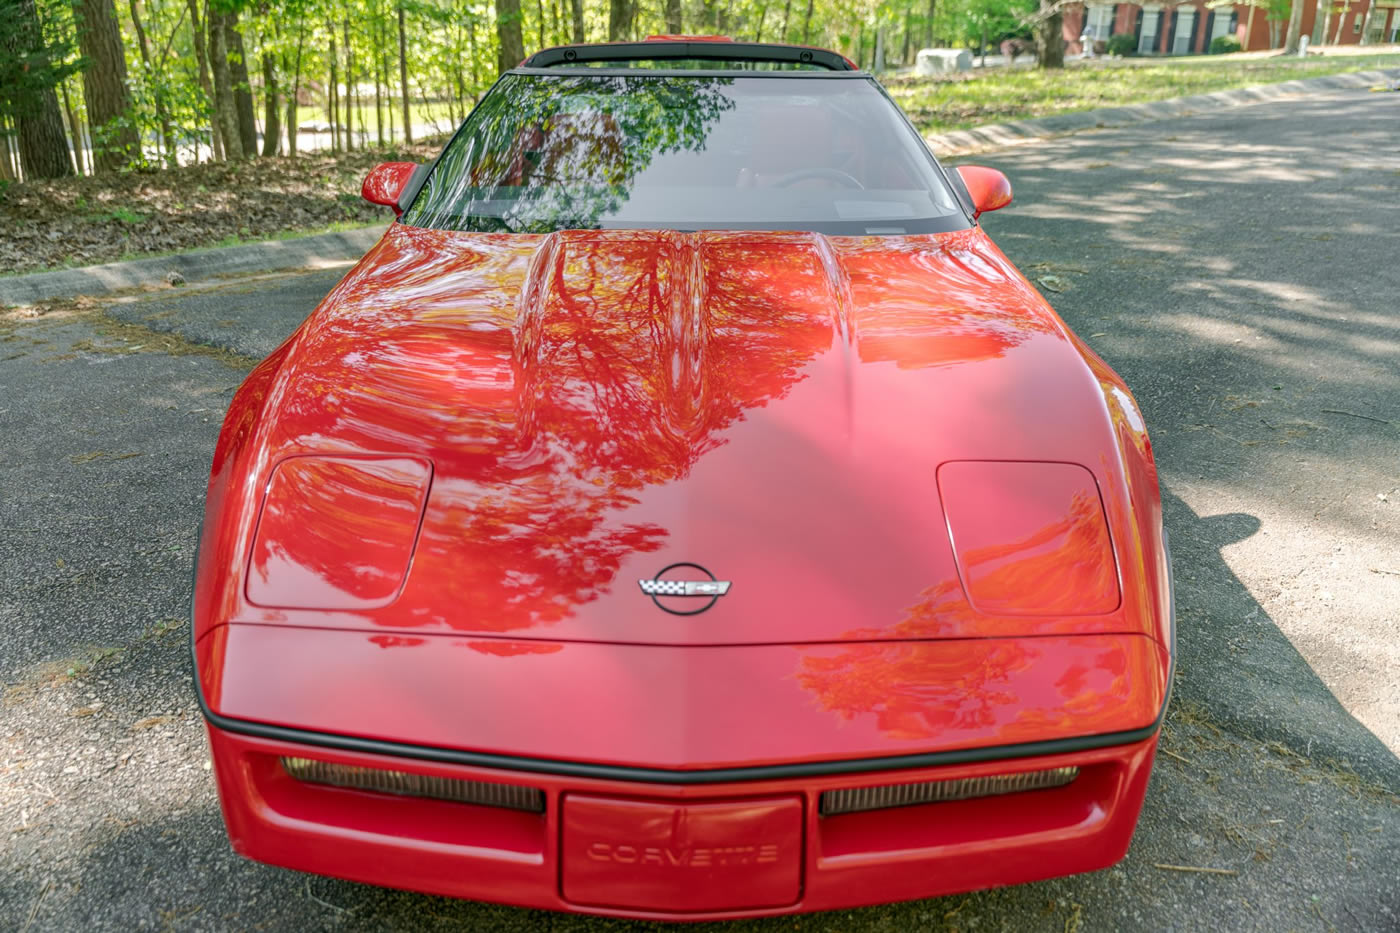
[{"x": 662, "y": 50}]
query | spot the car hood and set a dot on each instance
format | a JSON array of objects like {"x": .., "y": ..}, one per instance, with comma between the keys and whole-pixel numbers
[{"x": 770, "y": 407}]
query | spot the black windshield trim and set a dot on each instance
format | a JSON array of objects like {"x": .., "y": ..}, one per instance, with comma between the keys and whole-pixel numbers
[{"x": 654, "y": 51}]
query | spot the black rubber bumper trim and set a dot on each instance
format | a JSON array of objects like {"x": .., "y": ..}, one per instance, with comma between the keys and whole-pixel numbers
[{"x": 707, "y": 776}]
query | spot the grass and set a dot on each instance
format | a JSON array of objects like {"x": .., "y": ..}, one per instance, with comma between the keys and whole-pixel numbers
[{"x": 971, "y": 99}]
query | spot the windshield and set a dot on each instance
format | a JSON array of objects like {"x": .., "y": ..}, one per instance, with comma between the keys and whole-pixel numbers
[{"x": 546, "y": 152}]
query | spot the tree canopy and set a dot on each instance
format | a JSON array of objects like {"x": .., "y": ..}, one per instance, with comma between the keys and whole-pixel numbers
[{"x": 161, "y": 82}]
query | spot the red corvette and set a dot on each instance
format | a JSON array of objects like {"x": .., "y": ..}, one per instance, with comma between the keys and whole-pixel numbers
[{"x": 684, "y": 511}]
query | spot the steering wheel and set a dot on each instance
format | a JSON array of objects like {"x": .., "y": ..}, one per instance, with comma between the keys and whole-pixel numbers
[{"x": 830, "y": 174}]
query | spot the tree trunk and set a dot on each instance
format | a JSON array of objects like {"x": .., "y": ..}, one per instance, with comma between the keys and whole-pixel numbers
[
  {"x": 272, "y": 114},
  {"x": 539, "y": 23},
  {"x": 201, "y": 55},
  {"x": 333, "y": 98},
  {"x": 928, "y": 24},
  {"x": 619, "y": 14},
  {"x": 143, "y": 42},
  {"x": 580, "y": 35},
  {"x": 225, "y": 108},
  {"x": 295, "y": 102},
  {"x": 75, "y": 129},
  {"x": 381, "y": 78},
  {"x": 104, "y": 86},
  {"x": 512, "y": 45},
  {"x": 403, "y": 79},
  {"x": 675, "y": 18},
  {"x": 7, "y": 167},
  {"x": 349, "y": 86},
  {"x": 807, "y": 24},
  {"x": 242, "y": 89},
  {"x": 43, "y": 147},
  {"x": 787, "y": 16},
  {"x": 1050, "y": 37}
]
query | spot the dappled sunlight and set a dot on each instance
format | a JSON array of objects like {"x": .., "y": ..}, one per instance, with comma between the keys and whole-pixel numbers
[{"x": 1241, "y": 276}]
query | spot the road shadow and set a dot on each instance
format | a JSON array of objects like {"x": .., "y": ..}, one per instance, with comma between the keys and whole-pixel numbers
[{"x": 1238, "y": 671}]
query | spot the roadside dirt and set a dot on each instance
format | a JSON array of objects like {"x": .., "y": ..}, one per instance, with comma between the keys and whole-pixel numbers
[{"x": 81, "y": 221}]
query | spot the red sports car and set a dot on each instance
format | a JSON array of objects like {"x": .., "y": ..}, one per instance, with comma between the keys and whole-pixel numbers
[{"x": 684, "y": 511}]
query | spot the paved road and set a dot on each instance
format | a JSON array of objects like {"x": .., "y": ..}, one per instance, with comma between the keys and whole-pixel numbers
[{"x": 1240, "y": 269}]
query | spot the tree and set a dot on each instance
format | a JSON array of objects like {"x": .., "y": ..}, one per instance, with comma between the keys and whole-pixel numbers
[
  {"x": 225, "y": 109},
  {"x": 511, "y": 45},
  {"x": 105, "y": 91},
  {"x": 272, "y": 119},
  {"x": 403, "y": 79},
  {"x": 1050, "y": 35},
  {"x": 28, "y": 76},
  {"x": 156, "y": 82},
  {"x": 675, "y": 23},
  {"x": 242, "y": 90},
  {"x": 619, "y": 19},
  {"x": 200, "y": 40}
]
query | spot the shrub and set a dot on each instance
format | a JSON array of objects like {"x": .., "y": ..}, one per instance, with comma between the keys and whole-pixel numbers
[
  {"x": 1123, "y": 44},
  {"x": 1224, "y": 45}
]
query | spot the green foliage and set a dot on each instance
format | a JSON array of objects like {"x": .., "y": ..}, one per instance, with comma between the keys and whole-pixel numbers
[
  {"x": 1123, "y": 44},
  {"x": 32, "y": 57},
  {"x": 1224, "y": 45}
]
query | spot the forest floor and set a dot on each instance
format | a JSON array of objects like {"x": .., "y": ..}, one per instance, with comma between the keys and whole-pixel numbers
[
  {"x": 87, "y": 220},
  {"x": 974, "y": 98}
]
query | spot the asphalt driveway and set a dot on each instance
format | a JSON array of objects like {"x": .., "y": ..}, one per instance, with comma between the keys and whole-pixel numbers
[{"x": 1241, "y": 270}]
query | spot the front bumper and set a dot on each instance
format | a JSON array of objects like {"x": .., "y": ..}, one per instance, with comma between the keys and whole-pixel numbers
[{"x": 827, "y": 862}]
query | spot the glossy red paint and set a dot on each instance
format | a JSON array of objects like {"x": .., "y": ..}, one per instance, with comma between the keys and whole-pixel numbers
[
  {"x": 1029, "y": 537},
  {"x": 386, "y": 182},
  {"x": 683, "y": 708},
  {"x": 661, "y": 397},
  {"x": 358, "y": 515},
  {"x": 429, "y": 511},
  {"x": 990, "y": 189},
  {"x": 681, "y": 857},
  {"x": 489, "y": 854}
]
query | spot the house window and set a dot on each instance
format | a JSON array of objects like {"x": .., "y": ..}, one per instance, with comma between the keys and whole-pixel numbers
[
  {"x": 1223, "y": 25},
  {"x": 1185, "y": 29},
  {"x": 1151, "y": 22},
  {"x": 1099, "y": 24}
]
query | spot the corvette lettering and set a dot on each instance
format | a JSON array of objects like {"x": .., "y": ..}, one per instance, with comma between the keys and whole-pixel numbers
[{"x": 685, "y": 856}]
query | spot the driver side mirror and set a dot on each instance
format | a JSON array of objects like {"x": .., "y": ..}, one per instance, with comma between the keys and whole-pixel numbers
[
  {"x": 989, "y": 189},
  {"x": 387, "y": 182}
]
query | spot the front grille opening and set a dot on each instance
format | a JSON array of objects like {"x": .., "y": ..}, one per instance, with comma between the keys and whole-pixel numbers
[
  {"x": 483, "y": 793},
  {"x": 859, "y": 799}
]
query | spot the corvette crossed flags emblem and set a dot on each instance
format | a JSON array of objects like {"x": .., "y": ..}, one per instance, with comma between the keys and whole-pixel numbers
[
  {"x": 684, "y": 587},
  {"x": 658, "y": 586}
]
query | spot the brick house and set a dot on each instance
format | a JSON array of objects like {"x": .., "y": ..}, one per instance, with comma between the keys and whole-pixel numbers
[{"x": 1188, "y": 28}]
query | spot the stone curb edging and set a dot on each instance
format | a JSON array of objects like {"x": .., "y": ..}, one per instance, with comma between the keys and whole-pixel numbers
[
  {"x": 196, "y": 265},
  {"x": 1023, "y": 131}
]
